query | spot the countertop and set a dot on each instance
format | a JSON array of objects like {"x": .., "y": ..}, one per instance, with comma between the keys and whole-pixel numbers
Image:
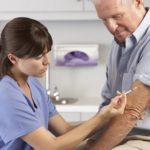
[{"x": 81, "y": 105}]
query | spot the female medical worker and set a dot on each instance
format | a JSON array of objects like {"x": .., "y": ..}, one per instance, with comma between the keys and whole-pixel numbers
[{"x": 26, "y": 112}]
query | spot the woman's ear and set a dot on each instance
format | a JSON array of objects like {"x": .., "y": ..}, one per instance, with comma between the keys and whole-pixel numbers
[{"x": 12, "y": 58}]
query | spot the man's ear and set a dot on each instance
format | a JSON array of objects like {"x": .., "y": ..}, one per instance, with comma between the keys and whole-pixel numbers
[{"x": 12, "y": 58}]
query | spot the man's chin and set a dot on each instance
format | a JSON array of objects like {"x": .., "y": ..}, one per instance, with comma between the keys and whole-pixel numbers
[{"x": 120, "y": 39}]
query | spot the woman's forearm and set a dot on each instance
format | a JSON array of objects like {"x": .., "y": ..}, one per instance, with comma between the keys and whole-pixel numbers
[{"x": 76, "y": 135}]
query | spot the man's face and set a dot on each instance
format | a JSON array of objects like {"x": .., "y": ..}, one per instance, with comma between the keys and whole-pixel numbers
[{"x": 120, "y": 19}]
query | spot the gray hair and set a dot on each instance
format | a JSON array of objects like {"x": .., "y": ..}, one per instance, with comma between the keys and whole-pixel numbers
[
  {"x": 127, "y": 2},
  {"x": 123, "y": 2},
  {"x": 130, "y": 2}
]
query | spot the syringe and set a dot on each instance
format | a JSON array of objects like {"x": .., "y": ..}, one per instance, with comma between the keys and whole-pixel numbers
[{"x": 127, "y": 92}]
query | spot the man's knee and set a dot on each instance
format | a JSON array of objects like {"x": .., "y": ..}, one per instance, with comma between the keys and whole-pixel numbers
[{"x": 134, "y": 145}]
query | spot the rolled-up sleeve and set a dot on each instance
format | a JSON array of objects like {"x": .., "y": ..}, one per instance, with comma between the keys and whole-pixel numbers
[{"x": 142, "y": 72}]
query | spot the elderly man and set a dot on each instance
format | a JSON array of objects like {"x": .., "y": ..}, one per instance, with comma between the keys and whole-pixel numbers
[{"x": 128, "y": 67}]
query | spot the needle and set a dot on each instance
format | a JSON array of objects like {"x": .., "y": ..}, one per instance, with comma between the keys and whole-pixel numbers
[{"x": 127, "y": 92}]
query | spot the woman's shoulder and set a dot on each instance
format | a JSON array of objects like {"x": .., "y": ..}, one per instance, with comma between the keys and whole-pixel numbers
[
  {"x": 7, "y": 84},
  {"x": 10, "y": 93}
]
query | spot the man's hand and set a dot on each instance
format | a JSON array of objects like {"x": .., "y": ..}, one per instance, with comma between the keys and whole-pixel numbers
[{"x": 119, "y": 126}]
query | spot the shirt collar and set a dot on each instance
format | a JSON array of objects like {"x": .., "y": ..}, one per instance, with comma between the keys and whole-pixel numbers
[
  {"x": 140, "y": 31},
  {"x": 137, "y": 34}
]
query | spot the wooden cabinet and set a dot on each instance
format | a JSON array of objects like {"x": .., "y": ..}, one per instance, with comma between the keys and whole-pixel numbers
[
  {"x": 71, "y": 116},
  {"x": 88, "y": 5},
  {"x": 86, "y": 116},
  {"x": 147, "y": 3},
  {"x": 48, "y": 9},
  {"x": 77, "y": 116},
  {"x": 40, "y": 5},
  {"x": 81, "y": 110}
]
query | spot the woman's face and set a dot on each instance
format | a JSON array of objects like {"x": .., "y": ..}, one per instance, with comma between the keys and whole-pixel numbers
[{"x": 36, "y": 66}]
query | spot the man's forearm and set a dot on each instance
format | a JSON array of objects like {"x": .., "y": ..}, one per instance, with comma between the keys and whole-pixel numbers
[
  {"x": 115, "y": 132},
  {"x": 117, "y": 129}
]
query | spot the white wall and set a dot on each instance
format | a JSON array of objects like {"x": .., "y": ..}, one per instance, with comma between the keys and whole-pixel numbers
[
  {"x": 81, "y": 81},
  {"x": 78, "y": 31}
]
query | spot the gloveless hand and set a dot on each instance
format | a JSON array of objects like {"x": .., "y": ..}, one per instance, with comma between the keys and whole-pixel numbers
[{"x": 116, "y": 106}]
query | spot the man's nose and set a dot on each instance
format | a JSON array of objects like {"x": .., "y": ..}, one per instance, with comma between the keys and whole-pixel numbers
[{"x": 111, "y": 25}]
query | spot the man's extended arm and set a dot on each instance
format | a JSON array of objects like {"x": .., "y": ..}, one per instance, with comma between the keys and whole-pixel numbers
[{"x": 120, "y": 126}]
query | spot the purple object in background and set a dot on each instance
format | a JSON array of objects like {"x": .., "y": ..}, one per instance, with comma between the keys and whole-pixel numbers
[
  {"x": 76, "y": 54},
  {"x": 70, "y": 55},
  {"x": 76, "y": 58}
]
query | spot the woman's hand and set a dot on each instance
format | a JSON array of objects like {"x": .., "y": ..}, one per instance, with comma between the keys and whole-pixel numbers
[{"x": 116, "y": 106}]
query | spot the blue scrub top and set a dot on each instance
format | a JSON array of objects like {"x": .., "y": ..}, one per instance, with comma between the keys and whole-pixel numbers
[{"x": 18, "y": 116}]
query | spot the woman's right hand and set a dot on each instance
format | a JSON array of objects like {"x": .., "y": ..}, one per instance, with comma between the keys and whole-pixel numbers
[{"x": 116, "y": 106}]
